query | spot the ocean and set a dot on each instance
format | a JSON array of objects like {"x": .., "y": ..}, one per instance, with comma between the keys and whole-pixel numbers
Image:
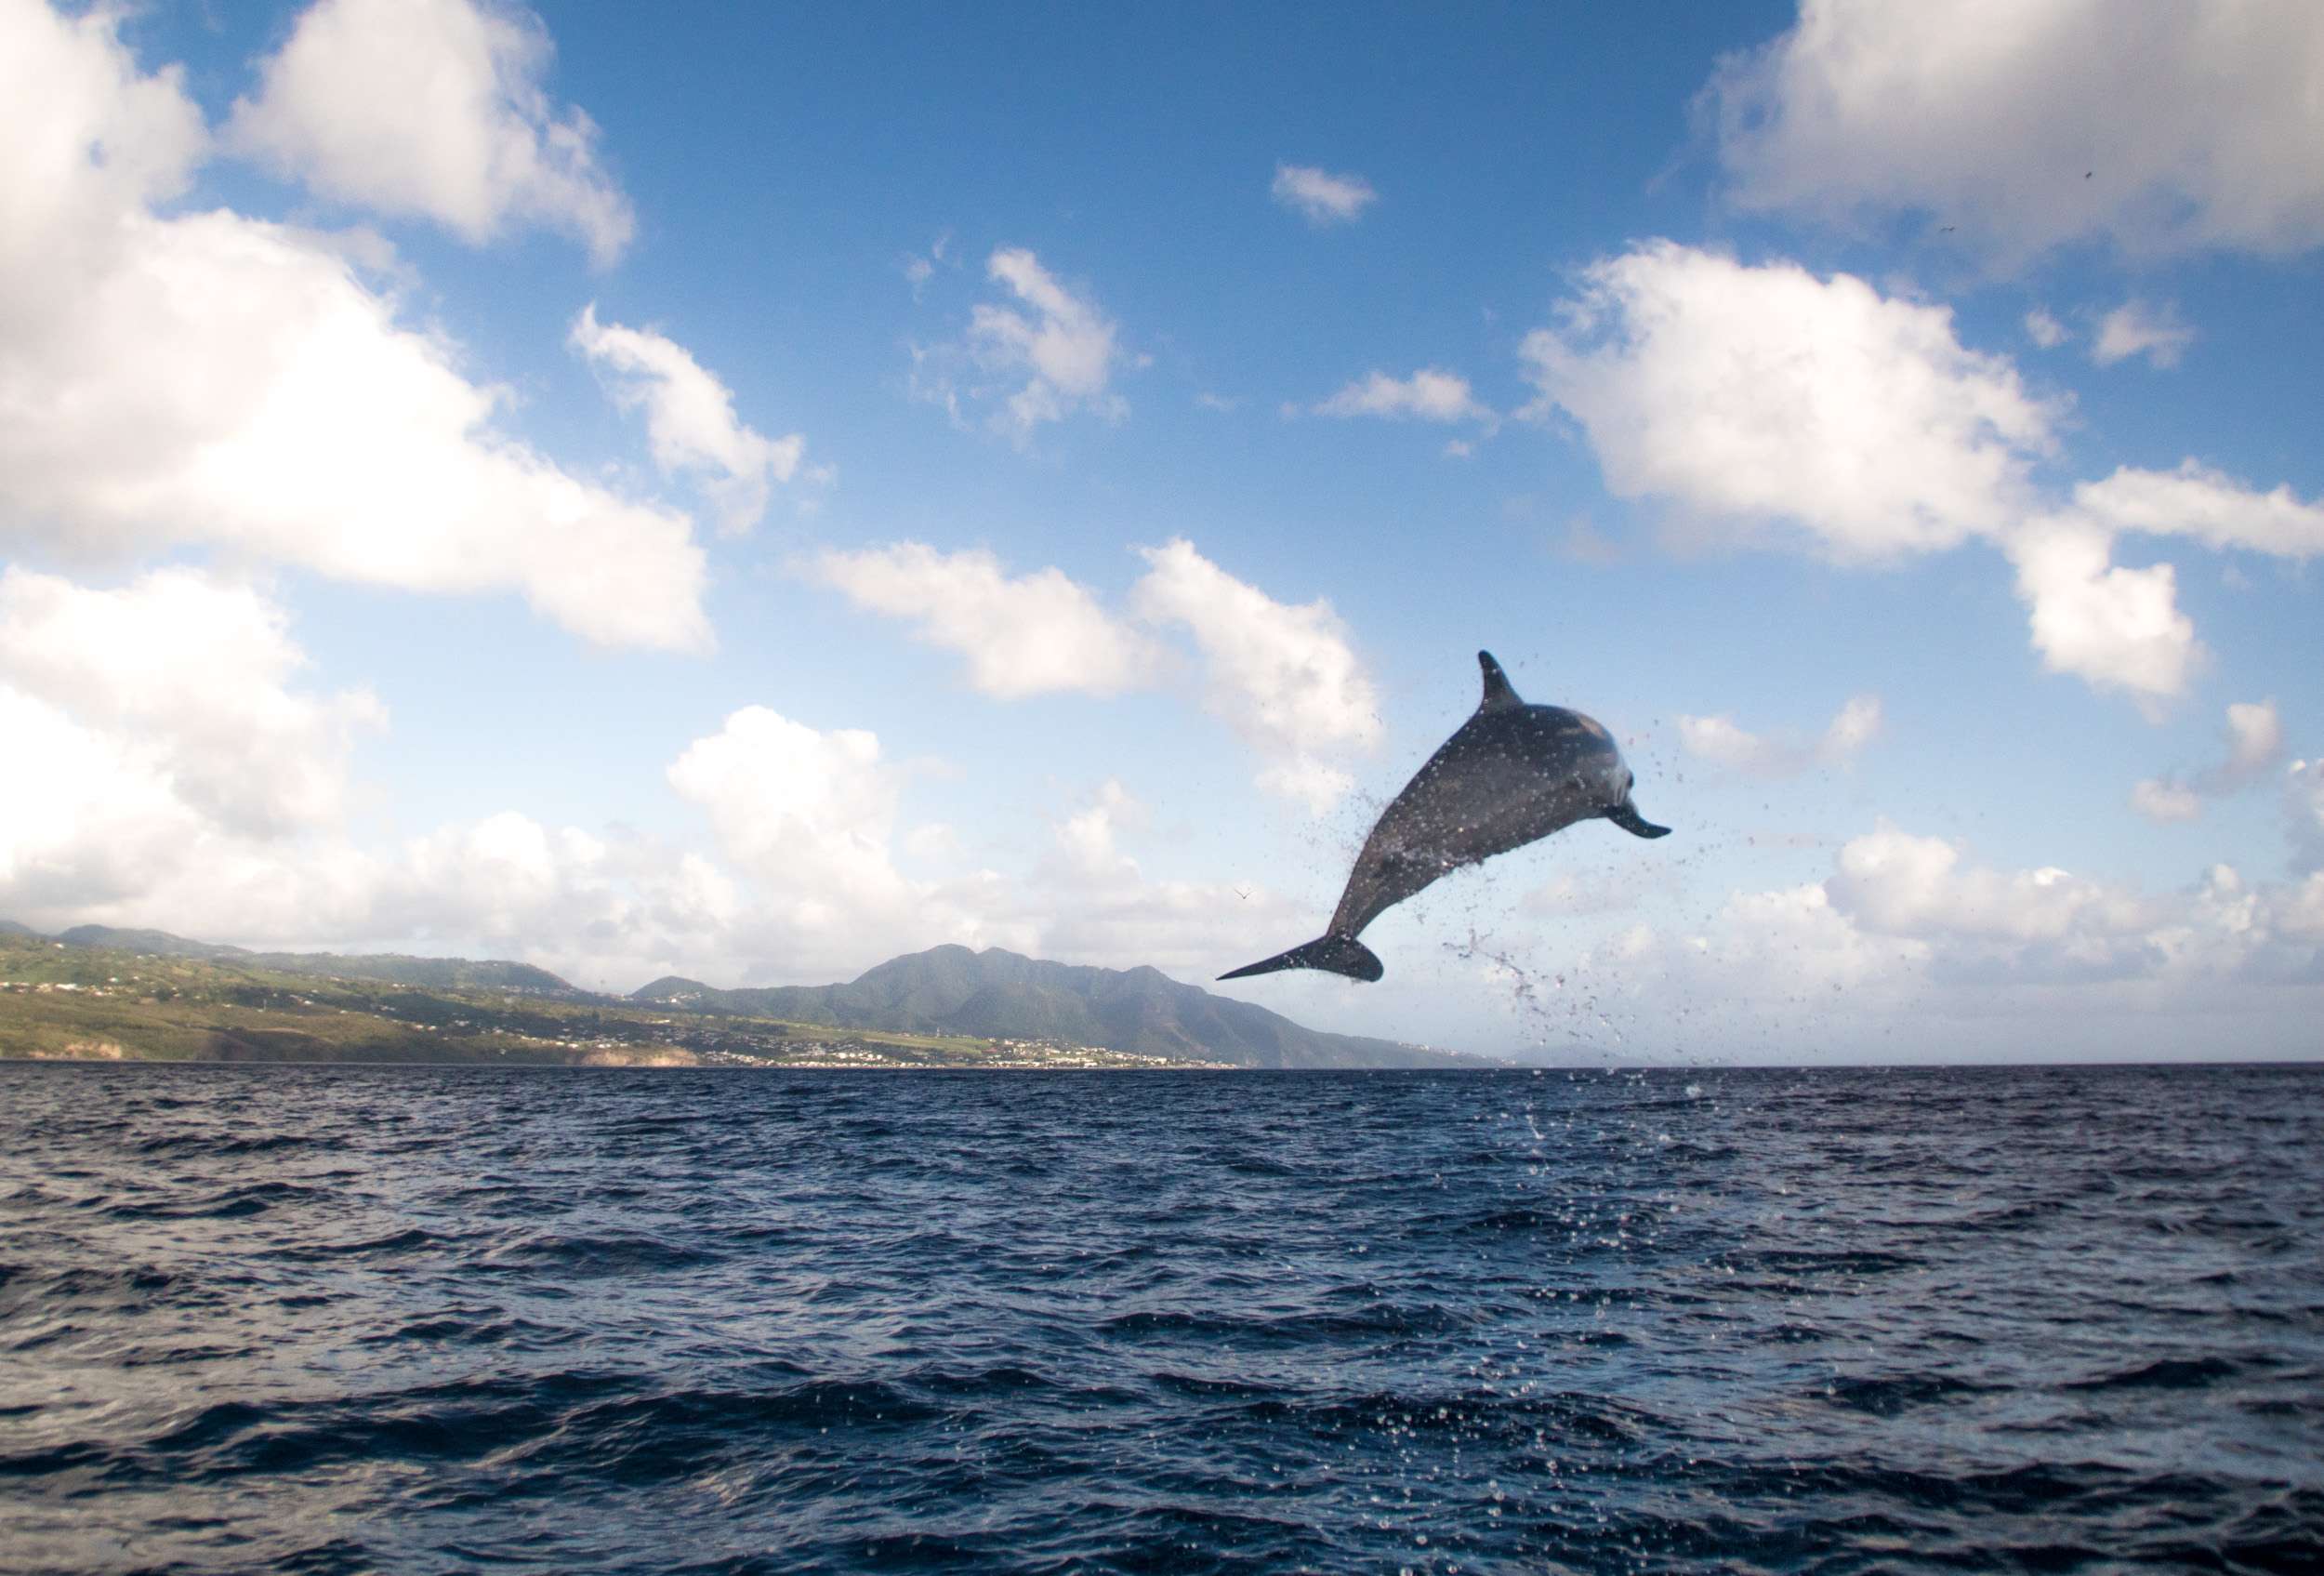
[{"x": 314, "y": 1320}]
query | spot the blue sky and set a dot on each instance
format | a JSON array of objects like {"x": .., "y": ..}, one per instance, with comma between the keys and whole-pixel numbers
[{"x": 748, "y": 494}]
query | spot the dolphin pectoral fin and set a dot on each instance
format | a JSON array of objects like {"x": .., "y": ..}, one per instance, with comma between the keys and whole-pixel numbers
[
  {"x": 1626, "y": 817},
  {"x": 1334, "y": 954},
  {"x": 1499, "y": 697}
]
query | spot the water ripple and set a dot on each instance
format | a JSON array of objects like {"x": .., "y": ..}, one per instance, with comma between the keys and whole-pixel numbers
[{"x": 444, "y": 1319}]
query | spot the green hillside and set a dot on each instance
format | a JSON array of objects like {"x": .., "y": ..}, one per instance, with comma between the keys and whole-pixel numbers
[
  {"x": 99, "y": 992},
  {"x": 61, "y": 1001},
  {"x": 954, "y": 990},
  {"x": 449, "y": 974}
]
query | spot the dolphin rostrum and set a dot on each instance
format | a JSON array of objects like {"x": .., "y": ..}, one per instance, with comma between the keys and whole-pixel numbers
[{"x": 1513, "y": 774}]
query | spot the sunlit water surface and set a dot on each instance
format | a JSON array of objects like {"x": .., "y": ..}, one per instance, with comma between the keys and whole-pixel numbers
[{"x": 429, "y": 1320}]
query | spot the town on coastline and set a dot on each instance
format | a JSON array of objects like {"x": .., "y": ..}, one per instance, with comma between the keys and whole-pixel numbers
[{"x": 99, "y": 995}]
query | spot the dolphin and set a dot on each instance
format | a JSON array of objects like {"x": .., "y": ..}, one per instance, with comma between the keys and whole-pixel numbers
[{"x": 1513, "y": 774}]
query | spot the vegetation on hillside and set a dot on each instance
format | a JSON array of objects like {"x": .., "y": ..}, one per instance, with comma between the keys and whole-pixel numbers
[{"x": 66, "y": 1002}]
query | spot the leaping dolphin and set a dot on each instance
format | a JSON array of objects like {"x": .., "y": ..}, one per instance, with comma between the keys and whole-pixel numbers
[{"x": 1512, "y": 775}]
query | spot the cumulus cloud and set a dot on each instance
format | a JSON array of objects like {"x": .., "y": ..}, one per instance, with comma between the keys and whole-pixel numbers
[
  {"x": 1750, "y": 397},
  {"x": 2160, "y": 802},
  {"x": 1284, "y": 677},
  {"x": 2121, "y": 627},
  {"x": 194, "y": 674},
  {"x": 188, "y": 780},
  {"x": 1287, "y": 678},
  {"x": 1096, "y": 905},
  {"x": 1321, "y": 198},
  {"x": 1763, "y": 405},
  {"x": 2207, "y": 505},
  {"x": 210, "y": 378},
  {"x": 2045, "y": 330},
  {"x": 160, "y": 723},
  {"x": 1891, "y": 882},
  {"x": 1909, "y": 934},
  {"x": 2114, "y": 628},
  {"x": 432, "y": 108},
  {"x": 2027, "y": 125},
  {"x": 2254, "y": 738},
  {"x": 2255, "y": 742},
  {"x": 1054, "y": 353},
  {"x": 187, "y": 784},
  {"x": 2303, "y": 811},
  {"x": 1719, "y": 740},
  {"x": 1030, "y": 634},
  {"x": 2135, "y": 328},
  {"x": 1430, "y": 394},
  {"x": 811, "y": 813},
  {"x": 689, "y": 417}
]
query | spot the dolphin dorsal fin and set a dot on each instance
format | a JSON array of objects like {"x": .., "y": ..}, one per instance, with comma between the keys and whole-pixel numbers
[{"x": 1499, "y": 697}]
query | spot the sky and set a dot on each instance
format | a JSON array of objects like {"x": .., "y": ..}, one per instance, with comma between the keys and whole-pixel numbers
[{"x": 747, "y": 492}]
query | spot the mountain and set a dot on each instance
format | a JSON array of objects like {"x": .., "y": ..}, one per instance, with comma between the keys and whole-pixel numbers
[
  {"x": 1002, "y": 995},
  {"x": 945, "y": 992},
  {"x": 393, "y": 968}
]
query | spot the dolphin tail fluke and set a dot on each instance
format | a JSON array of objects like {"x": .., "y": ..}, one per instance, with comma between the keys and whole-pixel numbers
[
  {"x": 1626, "y": 817},
  {"x": 1334, "y": 954}
]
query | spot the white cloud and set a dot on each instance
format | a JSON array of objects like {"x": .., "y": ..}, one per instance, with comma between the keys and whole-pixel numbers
[
  {"x": 2134, "y": 328},
  {"x": 920, "y": 267},
  {"x": 2303, "y": 811},
  {"x": 1896, "y": 883},
  {"x": 433, "y": 108},
  {"x": 210, "y": 378},
  {"x": 1089, "y": 901},
  {"x": 2254, "y": 738},
  {"x": 1064, "y": 348},
  {"x": 1086, "y": 840},
  {"x": 97, "y": 820},
  {"x": 1749, "y": 396},
  {"x": 1754, "y": 399},
  {"x": 1032, "y": 634},
  {"x": 1322, "y": 198},
  {"x": 2121, "y": 627},
  {"x": 807, "y": 817},
  {"x": 1430, "y": 394},
  {"x": 191, "y": 674},
  {"x": 187, "y": 781},
  {"x": 2159, "y": 800},
  {"x": 1910, "y": 945},
  {"x": 2255, "y": 742},
  {"x": 1719, "y": 740},
  {"x": 2115, "y": 628},
  {"x": 2159, "y": 125},
  {"x": 2213, "y": 508},
  {"x": 2045, "y": 330},
  {"x": 1284, "y": 677},
  {"x": 689, "y": 417},
  {"x": 812, "y": 811},
  {"x": 158, "y": 732}
]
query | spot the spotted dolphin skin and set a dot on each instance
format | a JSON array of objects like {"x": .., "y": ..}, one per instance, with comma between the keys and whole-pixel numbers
[{"x": 1512, "y": 775}]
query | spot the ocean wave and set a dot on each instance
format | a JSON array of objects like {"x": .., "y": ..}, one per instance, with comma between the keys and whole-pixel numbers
[{"x": 416, "y": 1320}]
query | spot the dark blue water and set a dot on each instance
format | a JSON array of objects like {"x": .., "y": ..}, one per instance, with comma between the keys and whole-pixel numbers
[{"x": 431, "y": 1321}]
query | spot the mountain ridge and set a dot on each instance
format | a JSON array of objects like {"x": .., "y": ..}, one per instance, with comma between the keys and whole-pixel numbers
[
  {"x": 392, "y": 968},
  {"x": 949, "y": 990}
]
